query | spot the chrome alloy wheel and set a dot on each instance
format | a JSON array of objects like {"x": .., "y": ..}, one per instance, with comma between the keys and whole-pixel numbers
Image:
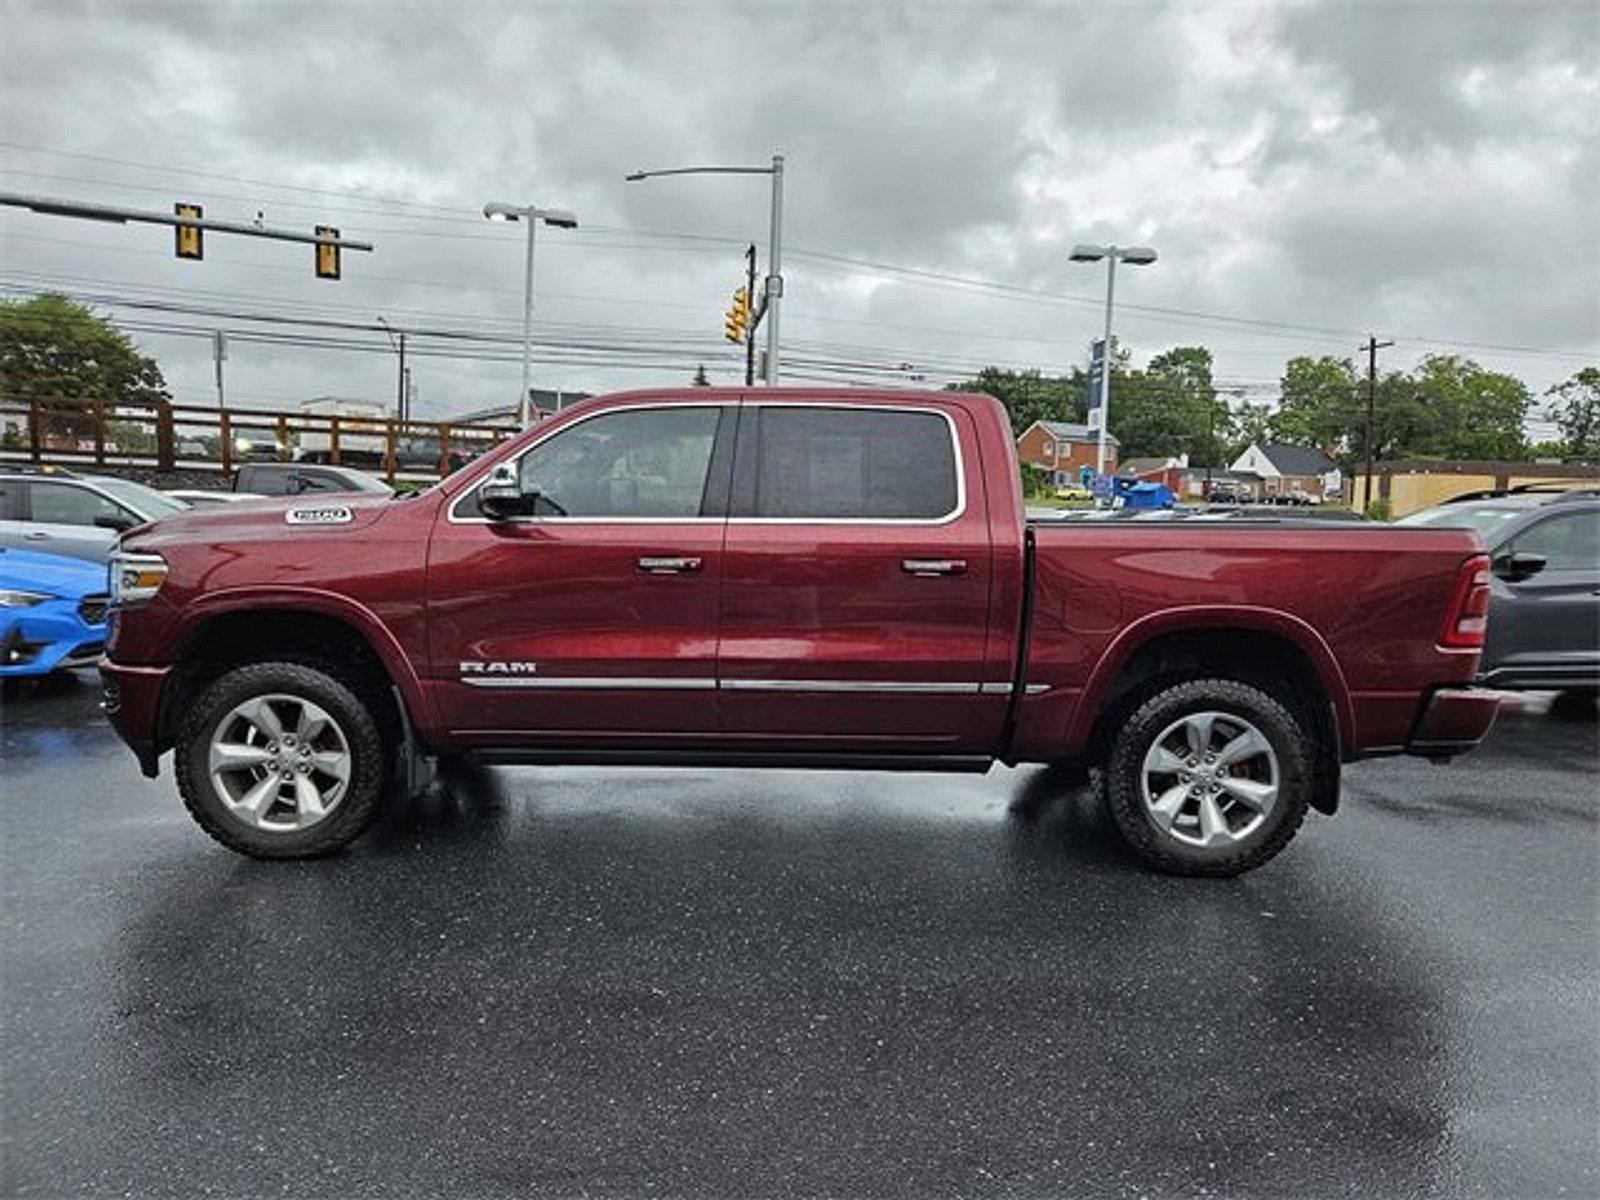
[
  {"x": 1210, "y": 779},
  {"x": 280, "y": 763}
]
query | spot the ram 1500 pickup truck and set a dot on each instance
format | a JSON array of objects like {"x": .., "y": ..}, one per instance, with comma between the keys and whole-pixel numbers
[{"x": 785, "y": 577}]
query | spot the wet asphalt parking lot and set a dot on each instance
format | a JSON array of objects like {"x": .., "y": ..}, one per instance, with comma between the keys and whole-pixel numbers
[{"x": 586, "y": 982}]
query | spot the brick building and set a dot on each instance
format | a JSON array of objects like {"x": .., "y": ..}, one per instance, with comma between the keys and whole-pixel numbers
[{"x": 1063, "y": 450}]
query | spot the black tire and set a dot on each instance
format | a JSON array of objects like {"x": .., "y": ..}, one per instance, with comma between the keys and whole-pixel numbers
[
  {"x": 1295, "y": 751},
  {"x": 369, "y": 760}
]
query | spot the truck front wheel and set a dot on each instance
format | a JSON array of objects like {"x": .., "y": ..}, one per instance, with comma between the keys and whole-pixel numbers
[
  {"x": 280, "y": 760},
  {"x": 1209, "y": 777}
]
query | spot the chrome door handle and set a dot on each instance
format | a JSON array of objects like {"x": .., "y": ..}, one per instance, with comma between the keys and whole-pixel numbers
[
  {"x": 927, "y": 568},
  {"x": 669, "y": 566}
]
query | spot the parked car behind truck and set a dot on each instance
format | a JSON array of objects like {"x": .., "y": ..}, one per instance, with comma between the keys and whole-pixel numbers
[
  {"x": 805, "y": 578},
  {"x": 1544, "y": 611}
]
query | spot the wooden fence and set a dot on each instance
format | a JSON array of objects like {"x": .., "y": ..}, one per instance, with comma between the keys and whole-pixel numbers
[{"x": 168, "y": 437}]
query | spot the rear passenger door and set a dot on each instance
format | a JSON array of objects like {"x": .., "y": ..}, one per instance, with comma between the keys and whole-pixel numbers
[{"x": 856, "y": 590}]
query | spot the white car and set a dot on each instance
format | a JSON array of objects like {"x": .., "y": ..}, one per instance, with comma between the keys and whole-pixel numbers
[{"x": 202, "y": 498}]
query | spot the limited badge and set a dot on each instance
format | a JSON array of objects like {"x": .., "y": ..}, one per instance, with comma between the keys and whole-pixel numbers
[{"x": 323, "y": 514}]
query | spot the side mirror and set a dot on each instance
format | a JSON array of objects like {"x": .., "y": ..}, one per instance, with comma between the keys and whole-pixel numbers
[
  {"x": 500, "y": 495},
  {"x": 117, "y": 521},
  {"x": 1514, "y": 568}
]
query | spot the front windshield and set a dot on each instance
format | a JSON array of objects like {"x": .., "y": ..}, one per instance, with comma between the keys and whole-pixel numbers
[
  {"x": 145, "y": 501},
  {"x": 1487, "y": 519}
]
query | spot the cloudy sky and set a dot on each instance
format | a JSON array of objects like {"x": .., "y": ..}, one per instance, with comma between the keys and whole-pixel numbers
[{"x": 1308, "y": 173}]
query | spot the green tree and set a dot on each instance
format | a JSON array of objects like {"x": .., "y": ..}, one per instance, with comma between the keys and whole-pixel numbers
[
  {"x": 1469, "y": 412},
  {"x": 1247, "y": 425},
  {"x": 1576, "y": 412},
  {"x": 1029, "y": 396},
  {"x": 1322, "y": 404},
  {"x": 54, "y": 348},
  {"x": 56, "y": 351},
  {"x": 1171, "y": 407}
]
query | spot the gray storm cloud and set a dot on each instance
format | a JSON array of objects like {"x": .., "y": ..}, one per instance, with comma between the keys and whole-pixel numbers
[{"x": 1424, "y": 171}]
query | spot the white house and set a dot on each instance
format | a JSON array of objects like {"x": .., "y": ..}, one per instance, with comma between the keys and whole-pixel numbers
[{"x": 1284, "y": 467}]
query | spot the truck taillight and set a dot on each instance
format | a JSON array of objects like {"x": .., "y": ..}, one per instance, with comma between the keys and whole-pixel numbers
[{"x": 1468, "y": 617}]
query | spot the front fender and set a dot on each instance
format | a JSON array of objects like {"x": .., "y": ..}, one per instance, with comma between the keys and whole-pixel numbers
[{"x": 205, "y": 608}]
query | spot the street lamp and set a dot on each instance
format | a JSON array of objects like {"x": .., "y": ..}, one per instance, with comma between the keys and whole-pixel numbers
[
  {"x": 561, "y": 218},
  {"x": 774, "y": 281},
  {"x": 1138, "y": 256}
]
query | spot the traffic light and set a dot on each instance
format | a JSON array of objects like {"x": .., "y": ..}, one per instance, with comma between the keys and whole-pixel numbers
[
  {"x": 327, "y": 252},
  {"x": 738, "y": 318},
  {"x": 187, "y": 237}
]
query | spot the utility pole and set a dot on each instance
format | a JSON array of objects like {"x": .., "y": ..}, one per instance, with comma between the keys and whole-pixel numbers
[
  {"x": 219, "y": 355},
  {"x": 397, "y": 339},
  {"x": 1372, "y": 348},
  {"x": 749, "y": 339},
  {"x": 401, "y": 406}
]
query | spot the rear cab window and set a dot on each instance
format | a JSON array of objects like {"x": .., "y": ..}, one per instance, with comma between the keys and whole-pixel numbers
[{"x": 814, "y": 462}]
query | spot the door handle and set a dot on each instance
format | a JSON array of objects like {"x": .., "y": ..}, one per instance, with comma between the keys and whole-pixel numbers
[
  {"x": 669, "y": 566},
  {"x": 927, "y": 568},
  {"x": 36, "y": 535}
]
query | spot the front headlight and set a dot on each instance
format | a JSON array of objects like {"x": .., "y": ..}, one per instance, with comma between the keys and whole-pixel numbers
[
  {"x": 136, "y": 578},
  {"x": 14, "y": 598}
]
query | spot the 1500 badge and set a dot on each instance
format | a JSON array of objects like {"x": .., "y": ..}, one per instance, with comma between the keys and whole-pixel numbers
[{"x": 323, "y": 514}]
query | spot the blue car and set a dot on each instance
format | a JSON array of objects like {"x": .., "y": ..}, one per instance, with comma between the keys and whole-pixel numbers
[{"x": 52, "y": 612}]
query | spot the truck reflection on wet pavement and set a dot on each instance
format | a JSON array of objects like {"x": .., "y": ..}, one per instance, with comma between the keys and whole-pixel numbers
[{"x": 548, "y": 981}]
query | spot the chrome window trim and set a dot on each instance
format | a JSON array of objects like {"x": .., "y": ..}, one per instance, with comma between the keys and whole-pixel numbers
[
  {"x": 952, "y": 516},
  {"x": 471, "y": 490},
  {"x": 960, "y": 510}
]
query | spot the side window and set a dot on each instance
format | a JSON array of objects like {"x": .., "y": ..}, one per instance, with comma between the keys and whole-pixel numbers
[
  {"x": 64, "y": 504},
  {"x": 650, "y": 462},
  {"x": 1570, "y": 542},
  {"x": 10, "y": 500},
  {"x": 864, "y": 463},
  {"x": 315, "y": 481}
]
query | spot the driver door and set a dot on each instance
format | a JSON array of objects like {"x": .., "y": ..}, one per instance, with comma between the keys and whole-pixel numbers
[{"x": 590, "y": 619}]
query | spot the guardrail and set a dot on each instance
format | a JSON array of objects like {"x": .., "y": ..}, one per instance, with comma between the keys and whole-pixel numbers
[{"x": 167, "y": 437}]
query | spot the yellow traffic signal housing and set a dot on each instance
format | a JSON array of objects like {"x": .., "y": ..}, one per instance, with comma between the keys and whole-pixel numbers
[
  {"x": 738, "y": 318},
  {"x": 327, "y": 252},
  {"x": 187, "y": 237}
]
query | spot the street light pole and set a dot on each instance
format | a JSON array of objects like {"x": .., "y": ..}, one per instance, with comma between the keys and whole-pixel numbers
[
  {"x": 561, "y": 218},
  {"x": 774, "y": 288},
  {"x": 1105, "y": 366},
  {"x": 527, "y": 329},
  {"x": 775, "y": 270},
  {"x": 1139, "y": 256}
]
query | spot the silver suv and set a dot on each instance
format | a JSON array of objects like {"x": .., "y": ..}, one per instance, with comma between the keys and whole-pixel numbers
[{"x": 81, "y": 516}]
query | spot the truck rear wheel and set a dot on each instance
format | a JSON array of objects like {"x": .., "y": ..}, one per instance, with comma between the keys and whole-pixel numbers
[
  {"x": 1209, "y": 777},
  {"x": 280, "y": 760}
]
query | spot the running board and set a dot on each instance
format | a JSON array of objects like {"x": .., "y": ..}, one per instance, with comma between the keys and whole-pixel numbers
[{"x": 947, "y": 763}]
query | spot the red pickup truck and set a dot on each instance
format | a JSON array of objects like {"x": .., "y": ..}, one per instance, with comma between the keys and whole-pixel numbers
[{"x": 796, "y": 578}]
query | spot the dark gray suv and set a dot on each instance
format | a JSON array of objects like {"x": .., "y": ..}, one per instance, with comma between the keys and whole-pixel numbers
[{"x": 1544, "y": 614}]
